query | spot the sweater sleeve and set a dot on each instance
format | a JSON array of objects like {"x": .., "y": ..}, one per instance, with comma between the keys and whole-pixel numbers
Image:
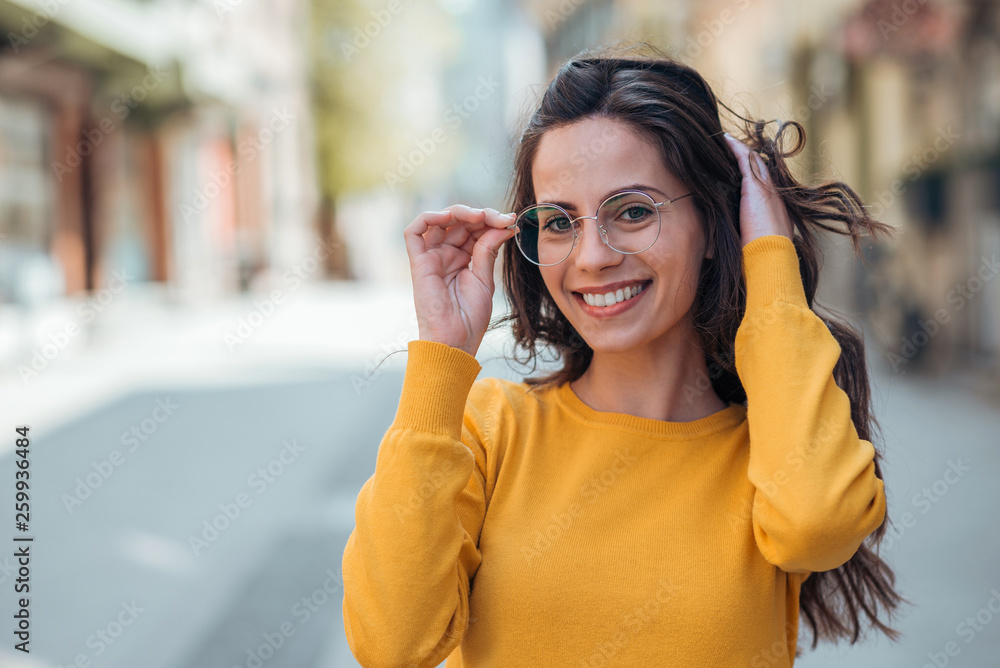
[
  {"x": 816, "y": 496},
  {"x": 408, "y": 562}
]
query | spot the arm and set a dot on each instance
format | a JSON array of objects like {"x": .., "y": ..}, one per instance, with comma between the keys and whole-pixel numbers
[
  {"x": 817, "y": 496},
  {"x": 414, "y": 549}
]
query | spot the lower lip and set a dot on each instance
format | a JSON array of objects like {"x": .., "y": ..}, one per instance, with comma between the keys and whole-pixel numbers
[{"x": 609, "y": 311}]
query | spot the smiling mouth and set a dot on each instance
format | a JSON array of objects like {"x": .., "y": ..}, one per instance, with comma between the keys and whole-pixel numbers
[{"x": 618, "y": 296}]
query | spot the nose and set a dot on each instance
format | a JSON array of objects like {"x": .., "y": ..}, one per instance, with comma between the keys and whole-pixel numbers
[{"x": 592, "y": 254}]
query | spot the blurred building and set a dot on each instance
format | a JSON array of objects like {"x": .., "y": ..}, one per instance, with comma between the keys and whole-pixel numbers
[
  {"x": 166, "y": 140},
  {"x": 435, "y": 91},
  {"x": 930, "y": 141}
]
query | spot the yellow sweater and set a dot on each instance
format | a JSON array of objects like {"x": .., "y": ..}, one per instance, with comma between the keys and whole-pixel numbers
[{"x": 504, "y": 528}]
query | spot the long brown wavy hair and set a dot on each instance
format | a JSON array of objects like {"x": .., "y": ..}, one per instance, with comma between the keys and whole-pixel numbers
[{"x": 671, "y": 104}]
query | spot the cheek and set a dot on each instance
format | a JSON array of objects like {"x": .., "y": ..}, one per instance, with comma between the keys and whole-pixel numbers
[
  {"x": 552, "y": 280},
  {"x": 677, "y": 271},
  {"x": 554, "y": 284},
  {"x": 681, "y": 257}
]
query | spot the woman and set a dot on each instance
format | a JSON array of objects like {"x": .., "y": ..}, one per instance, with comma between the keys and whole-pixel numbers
[{"x": 693, "y": 479}]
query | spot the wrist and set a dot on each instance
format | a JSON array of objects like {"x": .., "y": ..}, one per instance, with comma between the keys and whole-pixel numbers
[
  {"x": 436, "y": 383},
  {"x": 771, "y": 272},
  {"x": 464, "y": 349}
]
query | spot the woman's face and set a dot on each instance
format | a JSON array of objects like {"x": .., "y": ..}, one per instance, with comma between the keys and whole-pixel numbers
[{"x": 578, "y": 166}]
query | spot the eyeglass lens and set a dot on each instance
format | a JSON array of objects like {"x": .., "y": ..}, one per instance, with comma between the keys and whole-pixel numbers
[{"x": 546, "y": 232}]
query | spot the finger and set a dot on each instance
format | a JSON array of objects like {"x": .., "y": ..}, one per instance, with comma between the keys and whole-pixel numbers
[
  {"x": 492, "y": 219},
  {"x": 763, "y": 170},
  {"x": 431, "y": 227},
  {"x": 762, "y": 161},
  {"x": 745, "y": 156},
  {"x": 413, "y": 234},
  {"x": 485, "y": 252},
  {"x": 739, "y": 148},
  {"x": 741, "y": 151},
  {"x": 454, "y": 215},
  {"x": 465, "y": 215},
  {"x": 499, "y": 220}
]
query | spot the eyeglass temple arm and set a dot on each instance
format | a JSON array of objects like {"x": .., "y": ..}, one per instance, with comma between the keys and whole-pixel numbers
[{"x": 670, "y": 201}]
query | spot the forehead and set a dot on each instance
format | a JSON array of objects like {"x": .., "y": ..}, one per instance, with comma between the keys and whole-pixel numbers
[{"x": 580, "y": 162}]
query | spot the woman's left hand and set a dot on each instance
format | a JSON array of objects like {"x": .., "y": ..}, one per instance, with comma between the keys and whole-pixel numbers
[{"x": 762, "y": 211}]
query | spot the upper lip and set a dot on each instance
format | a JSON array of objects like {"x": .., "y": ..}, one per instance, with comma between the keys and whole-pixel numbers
[{"x": 610, "y": 287}]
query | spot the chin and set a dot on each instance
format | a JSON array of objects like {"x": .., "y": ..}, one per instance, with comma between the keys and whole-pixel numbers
[{"x": 609, "y": 343}]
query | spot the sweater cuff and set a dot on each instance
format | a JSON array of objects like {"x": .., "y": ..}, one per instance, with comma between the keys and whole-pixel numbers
[
  {"x": 436, "y": 385},
  {"x": 771, "y": 272}
]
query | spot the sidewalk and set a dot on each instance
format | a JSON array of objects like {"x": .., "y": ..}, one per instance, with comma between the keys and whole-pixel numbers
[{"x": 61, "y": 361}]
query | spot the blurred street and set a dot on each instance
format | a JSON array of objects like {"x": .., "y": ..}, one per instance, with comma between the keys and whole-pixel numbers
[
  {"x": 221, "y": 523},
  {"x": 257, "y": 453}
]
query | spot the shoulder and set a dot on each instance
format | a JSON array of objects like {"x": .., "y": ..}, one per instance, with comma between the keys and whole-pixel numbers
[
  {"x": 505, "y": 414},
  {"x": 503, "y": 404},
  {"x": 510, "y": 394}
]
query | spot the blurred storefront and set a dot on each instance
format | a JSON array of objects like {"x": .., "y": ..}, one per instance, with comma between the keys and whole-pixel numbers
[
  {"x": 931, "y": 130},
  {"x": 169, "y": 141}
]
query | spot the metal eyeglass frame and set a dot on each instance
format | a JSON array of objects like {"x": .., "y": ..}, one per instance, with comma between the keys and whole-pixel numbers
[{"x": 604, "y": 233}]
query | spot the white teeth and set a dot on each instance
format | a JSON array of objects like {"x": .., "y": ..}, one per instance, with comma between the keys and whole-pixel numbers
[{"x": 612, "y": 298}]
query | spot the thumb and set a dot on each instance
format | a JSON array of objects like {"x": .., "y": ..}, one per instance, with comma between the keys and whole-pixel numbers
[{"x": 485, "y": 253}]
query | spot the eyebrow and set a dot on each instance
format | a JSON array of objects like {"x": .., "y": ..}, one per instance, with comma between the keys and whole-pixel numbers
[{"x": 634, "y": 186}]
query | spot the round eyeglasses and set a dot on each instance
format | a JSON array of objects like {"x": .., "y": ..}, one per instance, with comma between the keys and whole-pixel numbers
[{"x": 629, "y": 222}]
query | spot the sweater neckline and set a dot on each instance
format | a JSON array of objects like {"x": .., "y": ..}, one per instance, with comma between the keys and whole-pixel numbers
[{"x": 726, "y": 418}]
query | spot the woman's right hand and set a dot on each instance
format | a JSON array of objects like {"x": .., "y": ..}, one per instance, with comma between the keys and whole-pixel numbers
[{"x": 453, "y": 300}]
